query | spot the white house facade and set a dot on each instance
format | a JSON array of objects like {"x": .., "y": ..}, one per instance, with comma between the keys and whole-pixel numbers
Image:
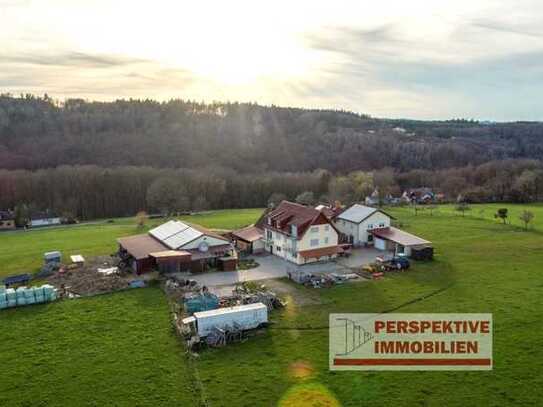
[
  {"x": 299, "y": 234},
  {"x": 357, "y": 222}
]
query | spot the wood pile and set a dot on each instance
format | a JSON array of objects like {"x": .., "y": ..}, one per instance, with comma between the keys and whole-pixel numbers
[{"x": 86, "y": 280}]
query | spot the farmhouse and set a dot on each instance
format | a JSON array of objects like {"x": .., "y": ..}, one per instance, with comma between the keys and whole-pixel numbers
[
  {"x": 7, "y": 220},
  {"x": 177, "y": 246},
  {"x": 357, "y": 222},
  {"x": 299, "y": 234}
]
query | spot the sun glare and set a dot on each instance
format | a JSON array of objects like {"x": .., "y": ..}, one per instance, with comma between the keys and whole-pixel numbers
[{"x": 235, "y": 44}]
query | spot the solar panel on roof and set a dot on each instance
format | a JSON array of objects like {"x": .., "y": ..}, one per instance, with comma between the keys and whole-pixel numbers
[
  {"x": 182, "y": 238},
  {"x": 168, "y": 229}
]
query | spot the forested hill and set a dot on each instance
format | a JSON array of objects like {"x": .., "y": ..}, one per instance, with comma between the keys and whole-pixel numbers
[{"x": 41, "y": 133}]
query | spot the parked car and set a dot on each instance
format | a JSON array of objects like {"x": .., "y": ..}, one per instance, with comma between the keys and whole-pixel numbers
[{"x": 393, "y": 262}]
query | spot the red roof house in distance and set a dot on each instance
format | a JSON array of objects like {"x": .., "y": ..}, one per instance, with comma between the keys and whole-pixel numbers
[{"x": 299, "y": 234}]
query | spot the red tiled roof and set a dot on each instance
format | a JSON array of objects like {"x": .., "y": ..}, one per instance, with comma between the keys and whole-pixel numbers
[
  {"x": 399, "y": 236},
  {"x": 316, "y": 253},
  {"x": 289, "y": 213},
  {"x": 249, "y": 234}
]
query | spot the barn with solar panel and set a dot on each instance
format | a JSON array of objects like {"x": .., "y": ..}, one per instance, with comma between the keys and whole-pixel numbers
[{"x": 176, "y": 246}]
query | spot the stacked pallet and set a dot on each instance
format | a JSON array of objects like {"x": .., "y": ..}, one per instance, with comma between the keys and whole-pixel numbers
[{"x": 26, "y": 296}]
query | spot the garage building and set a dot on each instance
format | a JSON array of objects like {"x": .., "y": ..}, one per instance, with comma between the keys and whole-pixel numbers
[{"x": 397, "y": 241}]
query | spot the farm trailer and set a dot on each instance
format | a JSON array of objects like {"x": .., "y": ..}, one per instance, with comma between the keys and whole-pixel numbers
[{"x": 218, "y": 325}]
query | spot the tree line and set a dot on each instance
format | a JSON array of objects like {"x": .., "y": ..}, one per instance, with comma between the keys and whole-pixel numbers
[
  {"x": 90, "y": 192},
  {"x": 39, "y": 132}
]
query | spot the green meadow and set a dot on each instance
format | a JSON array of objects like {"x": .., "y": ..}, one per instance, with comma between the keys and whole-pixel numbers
[
  {"x": 120, "y": 349},
  {"x": 481, "y": 265},
  {"x": 22, "y": 251}
]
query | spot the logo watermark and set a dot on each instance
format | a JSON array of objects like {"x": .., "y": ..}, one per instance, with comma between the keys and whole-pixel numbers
[{"x": 411, "y": 341}]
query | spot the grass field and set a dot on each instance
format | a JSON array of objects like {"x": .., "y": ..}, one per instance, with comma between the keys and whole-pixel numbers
[
  {"x": 487, "y": 211},
  {"x": 22, "y": 252},
  {"x": 122, "y": 347},
  {"x": 488, "y": 267},
  {"x": 109, "y": 350}
]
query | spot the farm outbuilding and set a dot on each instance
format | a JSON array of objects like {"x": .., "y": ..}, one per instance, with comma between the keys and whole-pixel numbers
[
  {"x": 249, "y": 240},
  {"x": 397, "y": 241},
  {"x": 176, "y": 246}
]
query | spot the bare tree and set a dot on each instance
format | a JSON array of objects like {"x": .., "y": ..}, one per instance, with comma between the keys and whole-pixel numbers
[
  {"x": 462, "y": 207},
  {"x": 306, "y": 198},
  {"x": 526, "y": 217},
  {"x": 141, "y": 219},
  {"x": 276, "y": 198}
]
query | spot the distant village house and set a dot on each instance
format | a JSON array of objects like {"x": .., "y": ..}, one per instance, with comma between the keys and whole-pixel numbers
[
  {"x": 7, "y": 220},
  {"x": 39, "y": 219}
]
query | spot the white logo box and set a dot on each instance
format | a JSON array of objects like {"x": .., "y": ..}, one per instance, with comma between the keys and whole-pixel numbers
[{"x": 400, "y": 341}]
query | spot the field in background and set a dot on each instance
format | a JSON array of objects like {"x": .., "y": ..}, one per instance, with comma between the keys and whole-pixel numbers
[
  {"x": 22, "y": 252},
  {"x": 108, "y": 350},
  {"x": 487, "y": 211}
]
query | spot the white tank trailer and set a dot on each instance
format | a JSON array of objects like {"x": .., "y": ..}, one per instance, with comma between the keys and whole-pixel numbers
[{"x": 246, "y": 317}]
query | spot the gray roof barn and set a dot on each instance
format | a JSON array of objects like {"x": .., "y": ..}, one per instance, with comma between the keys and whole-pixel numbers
[{"x": 357, "y": 213}]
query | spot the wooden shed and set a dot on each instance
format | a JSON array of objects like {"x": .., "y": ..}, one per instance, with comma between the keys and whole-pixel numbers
[{"x": 249, "y": 240}]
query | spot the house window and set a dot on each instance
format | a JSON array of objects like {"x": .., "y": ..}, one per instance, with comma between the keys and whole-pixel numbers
[
  {"x": 352, "y": 226},
  {"x": 326, "y": 240},
  {"x": 381, "y": 225},
  {"x": 315, "y": 229},
  {"x": 269, "y": 235},
  {"x": 278, "y": 248},
  {"x": 343, "y": 222},
  {"x": 370, "y": 226},
  {"x": 327, "y": 228},
  {"x": 314, "y": 242}
]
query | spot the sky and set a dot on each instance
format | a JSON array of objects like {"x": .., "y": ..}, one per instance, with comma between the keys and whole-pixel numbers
[{"x": 479, "y": 59}]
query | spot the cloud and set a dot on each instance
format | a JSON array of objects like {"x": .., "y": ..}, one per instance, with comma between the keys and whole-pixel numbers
[
  {"x": 387, "y": 72},
  {"x": 524, "y": 30},
  {"x": 77, "y": 74},
  {"x": 70, "y": 59}
]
